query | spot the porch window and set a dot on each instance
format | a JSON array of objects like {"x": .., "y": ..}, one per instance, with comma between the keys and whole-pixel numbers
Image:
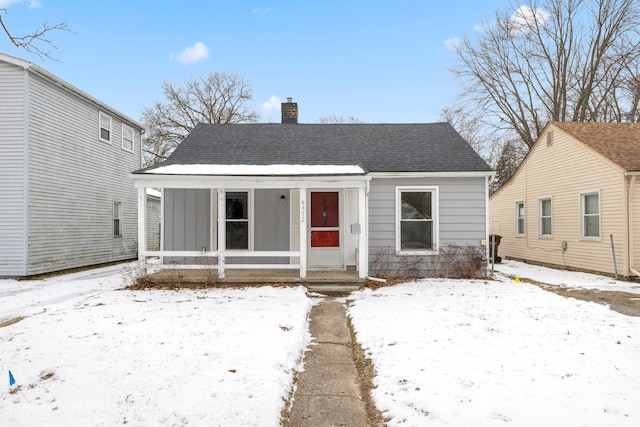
[
  {"x": 237, "y": 220},
  {"x": 416, "y": 230},
  {"x": 127, "y": 138},
  {"x": 105, "y": 127},
  {"x": 590, "y": 215},
  {"x": 117, "y": 219},
  {"x": 546, "y": 217},
  {"x": 520, "y": 219}
]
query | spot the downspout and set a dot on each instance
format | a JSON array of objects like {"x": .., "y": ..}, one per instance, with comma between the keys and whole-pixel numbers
[{"x": 632, "y": 185}]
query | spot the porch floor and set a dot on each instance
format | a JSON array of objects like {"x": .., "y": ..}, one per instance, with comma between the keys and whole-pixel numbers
[{"x": 284, "y": 276}]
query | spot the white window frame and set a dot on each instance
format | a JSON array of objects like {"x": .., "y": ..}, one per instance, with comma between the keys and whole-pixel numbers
[
  {"x": 118, "y": 212},
  {"x": 102, "y": 116},
  {"x": 434, "y": 218},
  {"x": 540, "y": 217},
  {"x": 126, "y": 128},
  {"x": 518, "y": 232},
  {"x": 250, "y": 219},
  {"x": 582, "y": 196}
]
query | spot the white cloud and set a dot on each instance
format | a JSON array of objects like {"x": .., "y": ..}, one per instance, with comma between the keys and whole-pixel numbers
[
  {"x": 31, "y": 4},
  {"x": 6, "y": 3},
  {"x": 526, "y": 18},
  {"x": 452, "y": 43},
  {"x": 271, "y": 105},
  {"x": 258, "y": 10},
  {"x": 193, "y": 54}
]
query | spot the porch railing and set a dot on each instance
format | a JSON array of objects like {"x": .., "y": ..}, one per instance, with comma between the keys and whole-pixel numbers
[{"x": 221, "y": 265}]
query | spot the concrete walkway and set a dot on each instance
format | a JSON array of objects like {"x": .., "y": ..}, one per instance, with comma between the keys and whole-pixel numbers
[{"x": 328, "y": 392}]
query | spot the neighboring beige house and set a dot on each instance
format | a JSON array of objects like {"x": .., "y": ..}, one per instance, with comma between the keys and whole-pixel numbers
[{"x": 576, "y": 190}]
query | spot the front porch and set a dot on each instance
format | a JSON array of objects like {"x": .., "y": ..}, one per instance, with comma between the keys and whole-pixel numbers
[{"x": 243, "y": 229}]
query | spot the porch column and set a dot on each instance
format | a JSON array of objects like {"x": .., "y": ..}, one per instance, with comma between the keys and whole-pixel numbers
[
  {"x": 222, "y": 232},
  {"x": 363, "y": 250},
  {"x": 142, "y": 223},
  {"x": 303, "y": 233}
]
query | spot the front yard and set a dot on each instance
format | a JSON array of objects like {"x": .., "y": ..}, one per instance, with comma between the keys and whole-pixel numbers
[{"x": 447, "y": 352}]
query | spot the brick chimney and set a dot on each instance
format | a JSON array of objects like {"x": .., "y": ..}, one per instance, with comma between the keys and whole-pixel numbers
[{"x": 289, "y": 111}]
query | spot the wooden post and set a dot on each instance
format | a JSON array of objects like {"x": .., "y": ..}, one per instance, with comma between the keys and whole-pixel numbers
[
  {"x": 222, "y": 232},
  {"x": 142, "y": 223},
  {"x": 303, "y": 233},
  {"x": 363, "y": 250}
]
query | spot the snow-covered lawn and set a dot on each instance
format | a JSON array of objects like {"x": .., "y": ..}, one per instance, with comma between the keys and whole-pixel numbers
[
  {"x": 484, "y": 353},
  {"x": 461, "y": 353},
  {"x": 139, "y": 358}
]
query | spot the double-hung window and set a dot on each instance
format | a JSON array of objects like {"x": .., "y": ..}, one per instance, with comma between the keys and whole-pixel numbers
[
  {"x": 520, "y": 230},
  {"x": 237, "y": 219},
  {"x": 590, "y": 215},
  {"x": 117, "y": 219},
  {"x": 127, "y": 138},
  {"x": 546, "y": 217},
  {"x": 105, "y": 127},
  {"x": 417, "y": 219}
]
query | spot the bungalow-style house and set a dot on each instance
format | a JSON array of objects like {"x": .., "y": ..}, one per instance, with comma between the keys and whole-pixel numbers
[
  {"x": 66, "y": 198},
  {"x": 349, "y": 197},
  {"x": 574, "y": 201}
]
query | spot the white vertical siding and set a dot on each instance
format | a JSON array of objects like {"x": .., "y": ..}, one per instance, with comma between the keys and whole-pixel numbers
[
  {"x": 74, "y": 180},
  {"x": 562, "y": 171},
  {"x": 12, "y": 170},
  {"x": 153, "y": 223}
]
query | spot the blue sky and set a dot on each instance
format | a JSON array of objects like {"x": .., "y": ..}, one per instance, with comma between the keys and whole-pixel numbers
[{"x": 379, "y": 61}]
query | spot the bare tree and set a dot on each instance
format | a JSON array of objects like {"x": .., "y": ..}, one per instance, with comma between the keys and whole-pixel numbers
[
  {"x": 33, "y": 41},
  {"x": 512, "y": 153},
  {"x": 219, "y": 98},
  {"x": 560, "y": 60},
  {"x": 334, "y": 119}
]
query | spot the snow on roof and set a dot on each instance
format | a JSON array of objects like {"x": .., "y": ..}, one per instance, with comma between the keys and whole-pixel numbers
[
  {"x": 251, "y": 170},
  {"x": 152, "y": 192}
]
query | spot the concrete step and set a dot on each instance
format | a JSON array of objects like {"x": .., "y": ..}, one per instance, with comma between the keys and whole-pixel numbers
[{"x": 334, "y": 289}]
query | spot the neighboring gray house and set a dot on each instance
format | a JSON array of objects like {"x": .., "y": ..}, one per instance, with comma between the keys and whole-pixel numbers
[
  {"x": 361, "y": 197},
  {"x": 66, "y": 199}
]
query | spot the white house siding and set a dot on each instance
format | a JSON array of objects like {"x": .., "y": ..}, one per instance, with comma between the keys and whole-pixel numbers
[
  {"x": 12, "y": 170},
  {"x": 153, "y": 223},
  {"x": 74, "y": 180},
  {"x": 461, "y": 215},
  {"x": 562, "y": 171}
]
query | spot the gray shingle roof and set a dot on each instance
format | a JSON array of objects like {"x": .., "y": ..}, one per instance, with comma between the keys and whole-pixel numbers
[{"x": 433, "y": 147}]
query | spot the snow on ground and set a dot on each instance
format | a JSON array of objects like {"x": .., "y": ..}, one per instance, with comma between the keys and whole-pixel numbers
[
  {"x": 447, "y": 352},
  {"x": 565, "y": 278},
  {"x": 495, "y": 352},
  {"x": 109, "y": 357}
]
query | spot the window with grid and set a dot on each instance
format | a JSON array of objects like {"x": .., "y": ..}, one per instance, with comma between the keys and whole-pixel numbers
[
  {"x": 520, "y": 219},
  {"x": 127, "y": 138},
  {"x": 117, "y": 219},
  {"x": 416, "y": 227},
  {"x": 546, "y": 218},
  {"x": 590, "y": 208},
  {"x": 105, "y": 127}
]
